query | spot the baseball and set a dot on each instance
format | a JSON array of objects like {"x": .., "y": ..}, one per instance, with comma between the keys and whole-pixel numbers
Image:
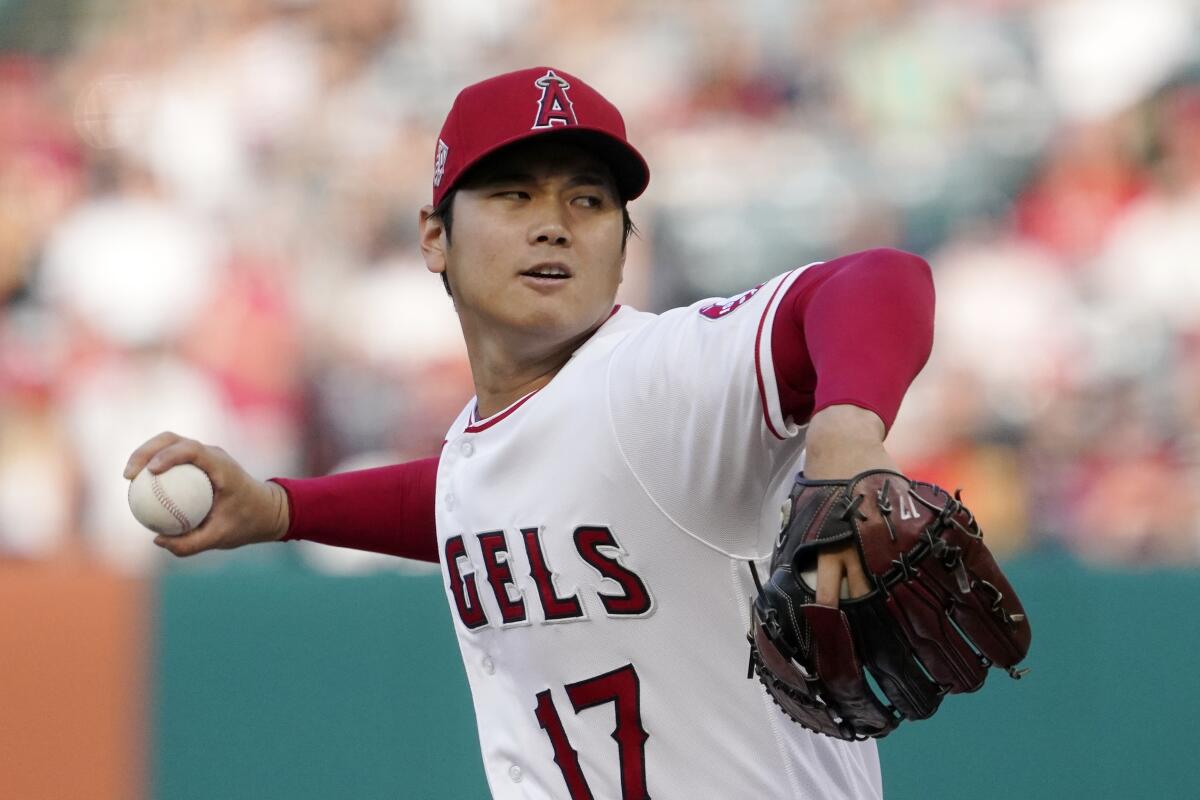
[{"x": 172, "y": 502}]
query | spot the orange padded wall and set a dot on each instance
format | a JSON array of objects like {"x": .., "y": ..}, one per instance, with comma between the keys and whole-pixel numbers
[{"x": 73, "y": 661}]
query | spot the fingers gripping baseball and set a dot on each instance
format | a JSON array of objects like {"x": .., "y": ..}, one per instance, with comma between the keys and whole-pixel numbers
[
  {"x": 840, "y": 573},
  {"x": 244, "y": 510}
]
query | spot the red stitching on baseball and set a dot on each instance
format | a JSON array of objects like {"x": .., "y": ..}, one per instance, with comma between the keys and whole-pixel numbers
[{"x": 168, "y": 503}]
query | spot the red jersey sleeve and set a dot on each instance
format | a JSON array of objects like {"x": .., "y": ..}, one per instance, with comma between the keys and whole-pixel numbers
[
  {"x": 385, "y": 510},
  {"x": 855, "y": 330}
]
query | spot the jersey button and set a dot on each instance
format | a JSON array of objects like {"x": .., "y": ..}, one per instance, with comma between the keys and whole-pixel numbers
[
  {"x": 467, "y": 449},
  {"x": 514, "y": 772},
  {"x": 489, "y": 666},
  {"x": 449, "y": 502}
]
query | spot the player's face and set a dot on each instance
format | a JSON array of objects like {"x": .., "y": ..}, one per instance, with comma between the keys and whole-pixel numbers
[{"x": 535, "y": 245}]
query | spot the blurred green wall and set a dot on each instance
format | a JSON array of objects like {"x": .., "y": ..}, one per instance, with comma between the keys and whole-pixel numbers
[{"x": 274, "y": 682}]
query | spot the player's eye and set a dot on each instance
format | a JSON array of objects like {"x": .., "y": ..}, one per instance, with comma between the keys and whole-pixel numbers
[
  {"x": 512, "y": 194},
  {"x": 590, "y": 200}
]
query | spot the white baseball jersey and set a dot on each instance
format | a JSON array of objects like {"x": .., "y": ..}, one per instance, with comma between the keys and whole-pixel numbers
[{"x": 595, "y": 538}]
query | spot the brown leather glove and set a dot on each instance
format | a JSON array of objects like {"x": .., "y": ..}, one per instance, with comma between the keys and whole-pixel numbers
[{"x": 939, "y": 614}]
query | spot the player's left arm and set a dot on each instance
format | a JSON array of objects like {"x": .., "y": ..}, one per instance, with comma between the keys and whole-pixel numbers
[{"x": 849, "y": 338}]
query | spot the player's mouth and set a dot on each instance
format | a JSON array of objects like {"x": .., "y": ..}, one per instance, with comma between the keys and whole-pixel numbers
[{"x": 547, "y": 274}]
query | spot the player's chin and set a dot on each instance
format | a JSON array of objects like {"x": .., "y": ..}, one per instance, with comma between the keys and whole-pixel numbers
[
  {"x": 549, "y": 324},
  {"x": 548, "y": 304},
  {"x": 558, "y": 313},
  {"x": 554, "y": 319}
]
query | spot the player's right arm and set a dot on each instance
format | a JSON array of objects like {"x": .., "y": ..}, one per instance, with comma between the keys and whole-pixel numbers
[{"x": 387, "y": 510}]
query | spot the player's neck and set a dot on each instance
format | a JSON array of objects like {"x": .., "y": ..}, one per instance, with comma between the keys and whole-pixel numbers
[
  {"x": 503, "y": 374},
  {"x": 508, "y": 363}
]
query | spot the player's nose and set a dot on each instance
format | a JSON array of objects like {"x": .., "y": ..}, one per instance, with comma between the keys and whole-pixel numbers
[
  {"x": 555, "y": 236},
  {"x": 550, "y": 228}
]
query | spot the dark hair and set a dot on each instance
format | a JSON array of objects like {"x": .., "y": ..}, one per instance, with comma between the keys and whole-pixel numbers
[{"x": 444, "y": 212}]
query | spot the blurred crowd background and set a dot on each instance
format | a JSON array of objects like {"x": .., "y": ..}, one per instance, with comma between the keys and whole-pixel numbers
[{"x": 208, "y": 216}]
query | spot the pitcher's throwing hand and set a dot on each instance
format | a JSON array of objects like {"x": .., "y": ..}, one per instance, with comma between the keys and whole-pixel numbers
[{"x": 244, "y": 510}]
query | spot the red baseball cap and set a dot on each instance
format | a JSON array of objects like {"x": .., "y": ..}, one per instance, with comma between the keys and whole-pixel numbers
[{"x": 540, "y": 101}]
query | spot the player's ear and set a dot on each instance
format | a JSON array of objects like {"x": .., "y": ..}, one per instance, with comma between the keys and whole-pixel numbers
[{"x": 433, "y": 240}]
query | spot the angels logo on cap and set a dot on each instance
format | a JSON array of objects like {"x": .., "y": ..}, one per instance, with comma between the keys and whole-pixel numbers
[
  {"x": 498, "y": 112},
  {"x": 554, "y": 106}
]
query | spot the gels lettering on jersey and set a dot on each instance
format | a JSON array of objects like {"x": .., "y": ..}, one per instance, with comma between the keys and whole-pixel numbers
[{"x": 619, "y": 590}]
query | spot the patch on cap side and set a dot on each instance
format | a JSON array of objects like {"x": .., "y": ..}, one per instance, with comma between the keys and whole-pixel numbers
[{"x": 439, "y": 162}]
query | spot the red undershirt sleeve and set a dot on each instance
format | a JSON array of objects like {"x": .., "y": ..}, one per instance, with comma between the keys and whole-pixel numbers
[
  {"x": 385, "y": 510},
  {"x": 855, "y": 330}
]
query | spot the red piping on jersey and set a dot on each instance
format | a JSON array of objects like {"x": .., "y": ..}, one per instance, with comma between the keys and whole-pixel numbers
[
  {"x": 762, "y": 389},
  {"x": 483, "y": 426}
]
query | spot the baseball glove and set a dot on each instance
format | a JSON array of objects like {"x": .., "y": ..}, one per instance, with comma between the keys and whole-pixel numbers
[{"x": 939, "y": 614}]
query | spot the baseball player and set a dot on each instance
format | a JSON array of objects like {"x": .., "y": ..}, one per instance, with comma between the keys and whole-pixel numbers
[{"x": 597, "y": 505}]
